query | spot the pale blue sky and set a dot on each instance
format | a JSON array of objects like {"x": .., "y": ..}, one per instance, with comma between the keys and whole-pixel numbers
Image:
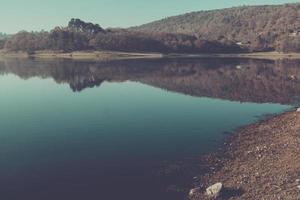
[{"x": 29, "y": 15}]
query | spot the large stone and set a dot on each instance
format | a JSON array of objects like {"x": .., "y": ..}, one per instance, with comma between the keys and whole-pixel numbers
[
  {"x": 298, "y": 110},
  {"x": 194, "y": 191},
  {"x": 215, "y": 190}
]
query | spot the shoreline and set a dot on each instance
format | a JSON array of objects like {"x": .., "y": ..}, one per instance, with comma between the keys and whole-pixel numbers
[
  {"x": 117, "y": 55},
  {"x": 83, "y": 55},
  {"x": 259, "y": 161},
  {"x": 256, "y": 55}
]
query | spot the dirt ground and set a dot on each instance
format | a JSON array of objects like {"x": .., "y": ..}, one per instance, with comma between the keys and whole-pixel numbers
[{"x": 260, "y": 162}]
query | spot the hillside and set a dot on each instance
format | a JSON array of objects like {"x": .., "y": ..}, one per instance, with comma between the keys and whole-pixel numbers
[
  {"x": 79, "y": 35},
  {"x": 233, "y": 30},
  {"x": 259, "y": 27}
]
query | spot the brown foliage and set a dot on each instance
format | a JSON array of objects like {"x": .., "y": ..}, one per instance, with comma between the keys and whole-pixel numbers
[
  {"x": 248, "y": 28},
  {"x": 261, "y": 27},
  {"x": 69, "y": 39},
  {"x": 166, "y": 43},
  {"x": 289, "y": 44},
  {"x": 27, "y": 41},
  {"x": 2, "y": 43}
]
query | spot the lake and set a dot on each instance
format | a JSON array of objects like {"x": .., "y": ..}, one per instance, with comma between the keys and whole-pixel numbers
[{"x": 103, "y": 130}]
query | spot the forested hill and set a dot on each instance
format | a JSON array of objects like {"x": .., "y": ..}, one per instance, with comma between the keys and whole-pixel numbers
[
  {"x": 261, "y": 27},
  {"x": 234, "y": 30},
  {"x": 79, "y": 35}
]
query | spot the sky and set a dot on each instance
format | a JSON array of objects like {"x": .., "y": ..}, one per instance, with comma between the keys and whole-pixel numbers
[{"x": 36, "y": 15}]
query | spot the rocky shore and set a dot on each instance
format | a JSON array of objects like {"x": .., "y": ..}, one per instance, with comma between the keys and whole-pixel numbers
[{"x": 261, "y": 161}]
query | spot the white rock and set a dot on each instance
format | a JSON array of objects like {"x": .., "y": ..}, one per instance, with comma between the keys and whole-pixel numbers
[
  {"x": 194, "y": 191},
  {"x": 214, "y": 190},
  {"x": 298, "y": 110}
]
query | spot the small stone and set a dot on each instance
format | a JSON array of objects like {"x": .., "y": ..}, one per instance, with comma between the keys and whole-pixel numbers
[
  {"x": 194, "y": 191},
  {"x": 298, "y": 187},
  {"x": 298, "y": 110},
  {"x": 214, "y": 190}
]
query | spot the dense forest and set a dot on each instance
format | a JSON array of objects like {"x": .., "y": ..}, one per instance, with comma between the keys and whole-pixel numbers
[
  {"x": 242, "y": 29},
  {"x": 260, "y": 28},
  {"x": 79, "y": 35}
]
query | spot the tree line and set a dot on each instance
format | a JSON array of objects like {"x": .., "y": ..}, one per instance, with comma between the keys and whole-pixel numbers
[{"x": 80, "y": 35}]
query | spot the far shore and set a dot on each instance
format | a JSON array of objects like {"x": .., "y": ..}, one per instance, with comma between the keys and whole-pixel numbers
[
  {"x": 117, "y": 55},
  {"x": 82, "y": 55},
  {"x": 257, "y": 55}
]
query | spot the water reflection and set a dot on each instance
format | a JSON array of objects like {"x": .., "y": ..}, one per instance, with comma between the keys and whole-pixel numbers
[
  {"x": 109, "y": 143},
  {"x": 232, "y": 79}
]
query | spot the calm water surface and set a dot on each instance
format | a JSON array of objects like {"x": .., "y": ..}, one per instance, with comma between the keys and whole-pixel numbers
[{"x": 88, "y": 130}]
